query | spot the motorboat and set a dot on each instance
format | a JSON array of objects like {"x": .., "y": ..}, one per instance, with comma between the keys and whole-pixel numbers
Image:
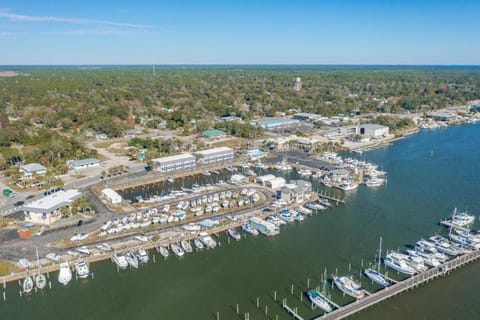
[
  {"x": 248, "y": 228},
  {"x": 234, "y": 234},
  {"x": 376, "y": 277},
  {"x": 104, "y": 247},
  {"x": 303, "y": 210},
  {"x": 170, "y": 179},
  {"x": 462, "y": 219},
  {"x": 142, "y": 255},
  {"x": 163, "y": 251},
  {"x": 65, "y": 274},
  {"x": 430, "y": 249},
  {"x": 132, "y": 260},
  {"x": 177, "y": 250},
  {"x": 120, "y": 260},
  {"x": 319, "y": 300},
  {"x": 298, "y": 216},
  {"x": 186, "y": 246},
  {"x": 84, "y": 250},
  {"x": 53, "y": 256},
  {"x": 417, "y": 262},
  {"x": 207, "y": 240},
  {"x": 429, "y": 259},
  {"x": 198, "y": 243},
  {"x": 444, "y": 246},
  {"x": 348, "y": 286},
  {"x": 396, "y": 262},
  {"x": 81, "y": 268},
  {"x": 27, "y": 284}
]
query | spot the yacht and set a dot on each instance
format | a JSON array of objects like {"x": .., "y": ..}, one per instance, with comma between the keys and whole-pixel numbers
[
  {"x": 81, "y": 268},
  {"x": 464, "y": 241},
  {"x": 120, "y": 260},
  {"x": 376, "y": 277},
  {"x": 444, "y": 246},
  {"x": 286, "y": 216},
  {"x": 65, "y": 274},
  {"x": 303, "y": 210},
  {"x": 132, "y": 260},
  {"x": 186, "y": 246},
  {"x": 142, "y": 255},
  {"x": 298, "y": 216},
  {"x": 248, "y": 228},
  {"x": 315, "y": 206},
  {"x": 163, "y": 251},
  {"x": 198, "y": 243},
  {"x": 234, "y": 234},
  {"x": 374, "y": 182},
  {"x": 396, "y": 262},
  {"x": 462, "y": 219},
  {"x": 347, "y": 186},
  {"x": 417, "y": 262},
  {"x": 426, "y": 247},
  {"x": 207, "y": 240},
  {"x": 177, "y": 250},
  {"x": 348, "y": 286},
  {"x": 27, "y": 284},
  {"x": 428, "y": 259},
  {"x": 319, "y": 300}
]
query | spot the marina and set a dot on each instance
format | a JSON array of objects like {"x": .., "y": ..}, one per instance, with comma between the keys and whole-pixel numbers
[{"x": 365, "y": 203}]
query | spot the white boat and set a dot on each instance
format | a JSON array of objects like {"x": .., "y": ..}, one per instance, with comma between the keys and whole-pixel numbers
[
  {"x": 374, "y": 182},
  {"x": 170, "y": 179},
  {"x": 462, "y": 219},
  {"x": 53, "y": 256},
  {"x": 81, "y": 269},
  {"x": 132, "y": 260},
  {"x": 248, "y": 228},
  {"x": 207, "y": 240},
  {"x": 163, "y": 251},
  {"x": 65, "y": 274},
  {"x": 376, "y": 277},
  {"x": 192, "y": 227},
  {"x": 40, "y": 281},
  {"x": 349, "y": 287},
  {"x": 84, "y": 250},
  {"x": 303, "y": 210},
  {"x": 429, "y": 259},
  {"x": 27, "y": 284},
  {"x": 141, "y": 238},
  {"x": 79, "y": 237},
  {"x": 464, "y": 241},
  {"x": 416, "y": 262},
  {"x": 298, "y": 216},
  {"x": 319, "y": 300},
  {"x": 142, "y": 255},
  {"x": 198, "y": 243},
  {"x": 177, "y": 250},
  {"x": 166, "y": 208},
  {"x": 444, "y": 246},
  {"x": 120, "y": 260},
  {"x": 396, "y": 262},
  {"x": 104, "y": 247},
  {"x": 186, "y": 246},
  {"x": 234, "y": 234},
  {"x": 347, "y": 186},
  {"x": 427, "y": 247}
]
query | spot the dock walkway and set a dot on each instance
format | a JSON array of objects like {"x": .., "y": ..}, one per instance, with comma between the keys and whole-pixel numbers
[{"x": 401, "y": 286}]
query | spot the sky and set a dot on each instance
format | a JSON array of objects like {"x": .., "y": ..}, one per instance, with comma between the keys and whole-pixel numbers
[{"x": 43, "y": 32}]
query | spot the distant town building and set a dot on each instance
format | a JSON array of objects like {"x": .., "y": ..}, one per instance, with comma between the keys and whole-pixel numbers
[
  {"x": 133, "y": 132},
  {"x": 263, "y": 179},
  {"x": 47, "y": 210},
  {"x": 274, "y": 123},
  {"x": 83, "y": 163},
  {"x": 310, "y": 117},
  {"x": 298, "y": 84},
  {"x": 111, "y": 196},
  {"x": 214, "y": 133},
  {"x": 238, "y": 179},
  {"x": 231, "y": 118},
  {"x": 215, "y": 155},
  {"x": 31, "y": 169},
  {"x": 296, "y": 191},
  {"x": 174, "y": 163},
  {"x": 101, "y": 136},
  {"x": 442, "y": 115},
  {"x": 373, "y": 130}
]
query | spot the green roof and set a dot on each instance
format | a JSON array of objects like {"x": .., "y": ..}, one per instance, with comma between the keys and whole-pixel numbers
[{"x": 213, "y": 133}]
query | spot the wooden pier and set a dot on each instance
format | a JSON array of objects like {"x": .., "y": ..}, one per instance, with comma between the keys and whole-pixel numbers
[
  {"x": 402, "y": 286},
  {"x": 292, "y": 311},
  {"x": 331, "y": 197}
]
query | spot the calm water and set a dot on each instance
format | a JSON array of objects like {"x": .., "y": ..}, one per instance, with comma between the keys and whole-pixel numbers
[{"x": 429, "y": 174}]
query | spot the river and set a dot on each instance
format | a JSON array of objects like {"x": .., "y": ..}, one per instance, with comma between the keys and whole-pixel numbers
[{"x": 429, "y": 174}]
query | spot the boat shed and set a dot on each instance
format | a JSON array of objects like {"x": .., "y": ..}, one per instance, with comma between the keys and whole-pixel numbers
[
  {"x": 275, "y": 183},
  {"x": 47, "y": 210},
  {"x": 175, "y": 163},
  {"x": 84, "y": 163},
  {"x": 111, "y": 196},
  {"x": 373, "y": 130}
]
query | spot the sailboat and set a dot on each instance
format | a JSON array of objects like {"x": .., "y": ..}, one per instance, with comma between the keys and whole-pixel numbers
[
  {"x": 40, "y": 279},
  {"x": 375, "y": 275},
  {"x": 27, "y": 284}
]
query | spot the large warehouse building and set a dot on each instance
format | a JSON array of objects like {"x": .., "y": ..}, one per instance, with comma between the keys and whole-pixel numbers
[
  {"x": 174, "y": 163},
  {"x": 215, "y": 155}
]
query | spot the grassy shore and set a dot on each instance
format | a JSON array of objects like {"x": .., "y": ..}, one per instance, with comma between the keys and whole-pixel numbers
[{"x": 7, "y": 268}]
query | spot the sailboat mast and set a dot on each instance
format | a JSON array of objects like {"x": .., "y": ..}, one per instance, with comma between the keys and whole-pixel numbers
[{"x": 379, "y": 254}]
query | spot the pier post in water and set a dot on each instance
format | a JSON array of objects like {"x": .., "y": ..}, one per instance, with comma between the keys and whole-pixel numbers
[
  {"x": 237, "y": 309},
  {"x": 308, "y": 283},
  {"x": 275, "y": 295},
  {"x": 291, "y": 290}
]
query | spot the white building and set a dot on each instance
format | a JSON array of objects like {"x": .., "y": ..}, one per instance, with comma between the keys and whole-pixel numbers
[
  {"x": 215, "y": 155},
  {"x": 373, "y": 130},
  {"x": 238, "y": 179},
  {"x": 83, "y": 163},
  {"x": 31, "y": 169},
  {"x": 298, "y": 84},
  {"x": 275, "y": 183},
  {"x": 175, "y": 163},
  {"x": 263, "y": 179},
  {"x": 47, "y": 210},
  {"x": 111, "y": 196},
  {"x": 297, "y": 191}
]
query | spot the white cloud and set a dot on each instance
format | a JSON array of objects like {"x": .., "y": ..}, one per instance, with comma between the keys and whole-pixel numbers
[
  {"x": 26, "y": 18},
  {"x": 96, "y": 32}
]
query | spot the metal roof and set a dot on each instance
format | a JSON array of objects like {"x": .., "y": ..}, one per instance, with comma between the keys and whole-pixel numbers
[
  {"x": 33, "y": 167},
  {"x": 82, "y": 162},
  {"x": 54, "y": 201}
]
